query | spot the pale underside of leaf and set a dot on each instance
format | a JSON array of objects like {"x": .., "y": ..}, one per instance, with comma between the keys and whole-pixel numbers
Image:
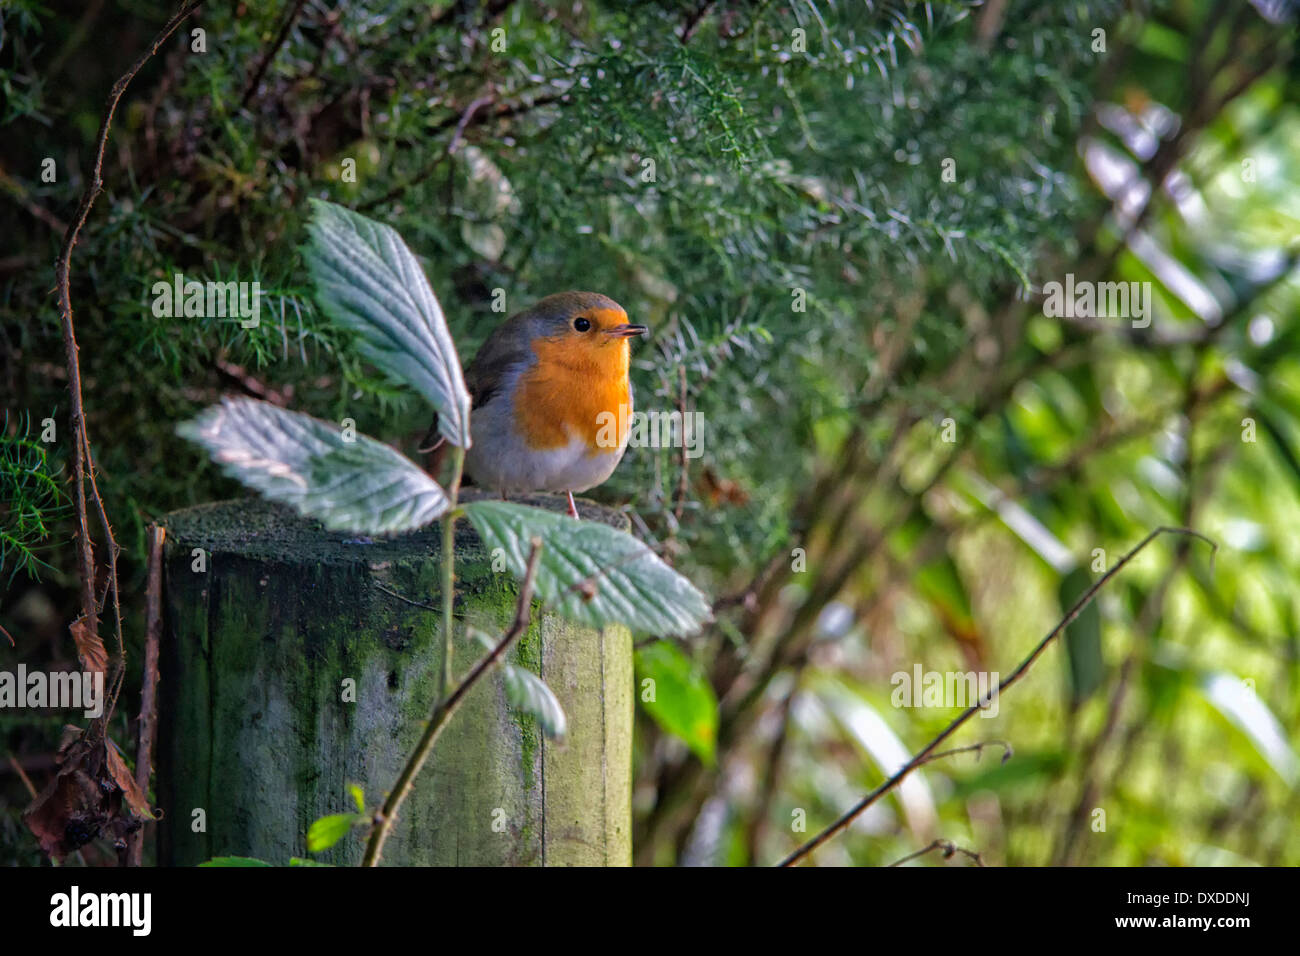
[
  {"x": 361, "y": 486},
  {"x": 529, "y": 693}
]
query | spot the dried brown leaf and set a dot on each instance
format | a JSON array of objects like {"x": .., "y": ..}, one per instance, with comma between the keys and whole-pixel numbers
[
  {"x": 92, "y": 795},
  {"x": 90, "y": 648}
]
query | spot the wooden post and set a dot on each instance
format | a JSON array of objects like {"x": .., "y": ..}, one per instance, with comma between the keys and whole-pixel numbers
[{"x": 292, "y": 666}]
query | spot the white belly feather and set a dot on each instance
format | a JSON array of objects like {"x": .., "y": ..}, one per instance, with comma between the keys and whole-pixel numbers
[{"x": 500, "y": 460}]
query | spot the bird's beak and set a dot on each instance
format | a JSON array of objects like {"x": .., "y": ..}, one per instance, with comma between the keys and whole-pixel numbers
[{"x": 626, "y": 330}]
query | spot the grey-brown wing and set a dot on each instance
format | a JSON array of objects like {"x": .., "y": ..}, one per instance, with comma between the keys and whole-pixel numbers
[{"x": 503, "y": 348}]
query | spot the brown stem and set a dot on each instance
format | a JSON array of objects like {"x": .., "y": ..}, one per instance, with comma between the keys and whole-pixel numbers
[
  {"x": 443, "y": 712},
  {"x": 82, "y": 460},
  {"x": 949, "y": 848},
  {"x": 149, "y": 691},
  {"x": 270, "y": 53}
]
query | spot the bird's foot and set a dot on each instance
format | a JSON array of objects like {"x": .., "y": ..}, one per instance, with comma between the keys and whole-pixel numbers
[{"x": 573, "y": 506}]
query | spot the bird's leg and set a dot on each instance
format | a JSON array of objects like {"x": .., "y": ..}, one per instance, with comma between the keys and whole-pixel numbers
[{"x": 573, "y": 506}]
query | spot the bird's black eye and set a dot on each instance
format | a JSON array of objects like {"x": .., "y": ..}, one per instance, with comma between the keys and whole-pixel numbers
[{"x": 582, "y": 324}]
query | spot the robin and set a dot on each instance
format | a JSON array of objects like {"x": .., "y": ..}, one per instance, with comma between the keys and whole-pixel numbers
[{"x": 550, "y": 397}]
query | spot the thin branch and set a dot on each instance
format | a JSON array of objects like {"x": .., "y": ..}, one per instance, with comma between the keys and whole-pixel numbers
[
  {"x": 758, "y": 822},
  {"x": 930, "y": 748},
  {"x": 24, "y": 199},
  {"x": 693, "y": 21},
  {"x": 83, "y": 460},
  {"x": 472, "y": 115},
  {"x": 270, "y": 53},
  {"x": 445, "y": 709},
  {"x": 22, "y": 774},
  {"x": 448, "y": 570},
  {"x": 407, "y": 600},
  {"x": 949, "y": 849},
  {"x": 149, "y": 690},
  {"x": 976, "y": 748}
]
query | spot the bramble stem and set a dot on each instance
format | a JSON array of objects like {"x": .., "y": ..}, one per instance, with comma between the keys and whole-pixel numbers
[
  {"x": 443, "y": 711},
  {"x": 449, "y": 570}
]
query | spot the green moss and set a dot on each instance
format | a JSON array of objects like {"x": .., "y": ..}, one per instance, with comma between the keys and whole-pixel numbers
[{"x": 255, "y": 730}]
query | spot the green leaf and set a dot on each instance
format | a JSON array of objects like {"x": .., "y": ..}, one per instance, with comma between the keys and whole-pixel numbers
[
  {"x": 1087, "y": 666},
  {"x": 868, "y": 727},
  {"x": 1239, "y": 704},
  {"x": 367, "y": 280},
  {"x": 361, "y": 486},
  {"x": 328, "y": 830},
  {"x": 1021, "y": 523},
  {"x": 529, "y": 693},
  {"x": 682, "y": 702},
  {"x": 1275, "y": 432},
  {"x": 234, "y": 861},
  {"x": 941, "y": 583},
  {"x": 358, "y": 797},
  {"x": 591, "y": 572},
  {"x": 299, "y": 861}
]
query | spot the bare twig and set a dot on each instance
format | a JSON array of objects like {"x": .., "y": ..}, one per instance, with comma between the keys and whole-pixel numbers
[
  {"x": 925, "y": 754},
  {"x": 24, "y": 199},
  {"x": 149, "y": 690},
  {"x": 407, "y": 600},
  {"x": 83, "y": 460},
  {"x": 270, "y": 53},
  {"x": 758, "y": 822},
  {"x": 472, "y": 115},
  {"x": 445, "y": 709},
  {"x": 448, "y": 569},
  {"x": 22, "y": 774},
  {"x": 949, "y": 849},
  {"x": 978, "y": 749},
  {"x": 693, "y": 21},
  {"x": 465, "y": 118}
]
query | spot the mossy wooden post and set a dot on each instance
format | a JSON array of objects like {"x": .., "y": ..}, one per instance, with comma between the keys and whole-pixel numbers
[{"x": 292, "y": 666}]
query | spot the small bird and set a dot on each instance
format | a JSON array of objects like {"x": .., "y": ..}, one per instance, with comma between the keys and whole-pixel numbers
[{"x": 550, "y": 397}]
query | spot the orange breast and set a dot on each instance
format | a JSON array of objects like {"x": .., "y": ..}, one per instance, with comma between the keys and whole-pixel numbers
[{"x": 571, "y": 390}]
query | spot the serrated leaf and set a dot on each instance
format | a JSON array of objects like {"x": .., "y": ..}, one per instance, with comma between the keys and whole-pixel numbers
[
  {"x": 590, "y": 572},
  {"x": 683, "y": 702},
  {"x": 328, "y": 830},
  {"x": 367, "y": 280},
  {"x": 529, "y": 693},
  {"x": 234, "y": 861},
  {"x": 361, "y": 486}
]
